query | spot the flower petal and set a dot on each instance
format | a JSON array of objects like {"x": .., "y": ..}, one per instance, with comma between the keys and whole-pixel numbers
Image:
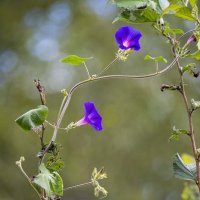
[
  {"x": 92, "y": 117},
  {"x": 127, "y": 37}
]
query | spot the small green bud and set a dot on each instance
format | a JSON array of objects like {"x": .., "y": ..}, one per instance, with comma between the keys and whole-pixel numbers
[
  {"x": 64, "y": 92},
  {"x": 123, "y": 54},
  {"x": 195, "y": 104}
]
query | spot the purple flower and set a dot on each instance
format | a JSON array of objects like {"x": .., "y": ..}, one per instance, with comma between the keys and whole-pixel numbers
[
  {"x": 91, "y": 117},
  {"x": 128, "y": 38}
]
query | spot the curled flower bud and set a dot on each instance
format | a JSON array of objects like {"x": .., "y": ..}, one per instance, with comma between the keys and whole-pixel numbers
[
  {"x": 128, "y": 38},
  {"x": 191, "y": 39},
  {"x": 92, "y": 117}
]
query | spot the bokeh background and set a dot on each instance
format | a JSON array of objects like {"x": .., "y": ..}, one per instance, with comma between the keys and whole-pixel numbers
[{"x": 137, "y": 116}]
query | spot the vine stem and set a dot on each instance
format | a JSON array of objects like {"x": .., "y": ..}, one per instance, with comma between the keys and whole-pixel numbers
[
  {"x": 191, "y": 128},
  {"x": 79, "y": 185},
  {"x": 189, "y": 113},
  {"x": 67, "y": 99}
]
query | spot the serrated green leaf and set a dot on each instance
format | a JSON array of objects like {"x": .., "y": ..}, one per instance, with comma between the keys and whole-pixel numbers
[
  {"x": 44, "y": 179},
  {"x": 134, "y": 11},
  {"x": 190, "y": 192},
  {"x": 174, "y": 137},
  {"x": 57, "y": 184},
  {"x": 74, "y": 60},
  {"x": 150, "y": 15},
  {"x": 179, "y": 131},
  {"x": 139, "y": 16},
  {"x": 33, "y": 118},
  {"x": 183, "y": 171},
  {"x": 56, "y": 165},
  {"x": 159, "y": 58}
]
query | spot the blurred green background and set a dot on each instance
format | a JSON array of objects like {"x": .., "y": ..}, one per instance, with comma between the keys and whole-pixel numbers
[{"x": 137, "y": 116}]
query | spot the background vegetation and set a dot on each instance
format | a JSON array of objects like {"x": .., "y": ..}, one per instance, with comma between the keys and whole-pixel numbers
[{"x": 137, "y": 116}]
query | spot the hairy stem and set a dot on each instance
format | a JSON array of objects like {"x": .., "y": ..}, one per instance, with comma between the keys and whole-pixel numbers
[{"x": 189, "y": 113}]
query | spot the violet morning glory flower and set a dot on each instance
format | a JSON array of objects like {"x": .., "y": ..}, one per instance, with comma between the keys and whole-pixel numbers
[
  {"x": 128, "y": 38},
  {"x": 92, "y": 117}
]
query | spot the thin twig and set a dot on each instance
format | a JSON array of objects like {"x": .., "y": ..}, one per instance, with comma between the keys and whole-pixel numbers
[
  {"x": 88, "y": 73},
  {"x": 108, "y": 66},
  {"x": 19, "y": 164},
  {"x": 41, "y": 91}
]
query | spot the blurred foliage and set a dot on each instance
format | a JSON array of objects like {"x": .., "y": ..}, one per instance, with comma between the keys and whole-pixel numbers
[
  {"x": 137, "y": 117},
  {"x": 190, "y": 192}
]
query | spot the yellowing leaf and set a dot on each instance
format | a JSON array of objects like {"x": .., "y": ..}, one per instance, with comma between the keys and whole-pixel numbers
[{"x": 187, "y": 159}]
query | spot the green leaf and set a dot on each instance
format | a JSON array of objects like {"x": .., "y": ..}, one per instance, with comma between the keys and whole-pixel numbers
[
  {"x": 179, "y": 11},
  {"x": 187, "y": 158},
  {"x": 193, "y": 3},
  {"x": 159, "y": 58},
  {"x": 190, "y": 192},
  {"x": 177, "y": 2},
  {"x": 55, "y": 165},
  {"x": 134, "y": 11},
  {"x": 74, "y": 60},
  {"x": 150, "y": 15},
  {"x": 138, "y": 16},
  {"x": 173, "y": 31},
  {"x": 57, "y": 184},
  {"x": 44, "y": 179},
  {"x": 171, "y": 9},
  {"x": 189, "y": 67},
  {"x": 185, "y": 13},
  {"x": 137, "y": 5},
  {"x": 33, "y": 118},
  {"x": 175, "y": 135},
  {"x": 183, "y": 171}
]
